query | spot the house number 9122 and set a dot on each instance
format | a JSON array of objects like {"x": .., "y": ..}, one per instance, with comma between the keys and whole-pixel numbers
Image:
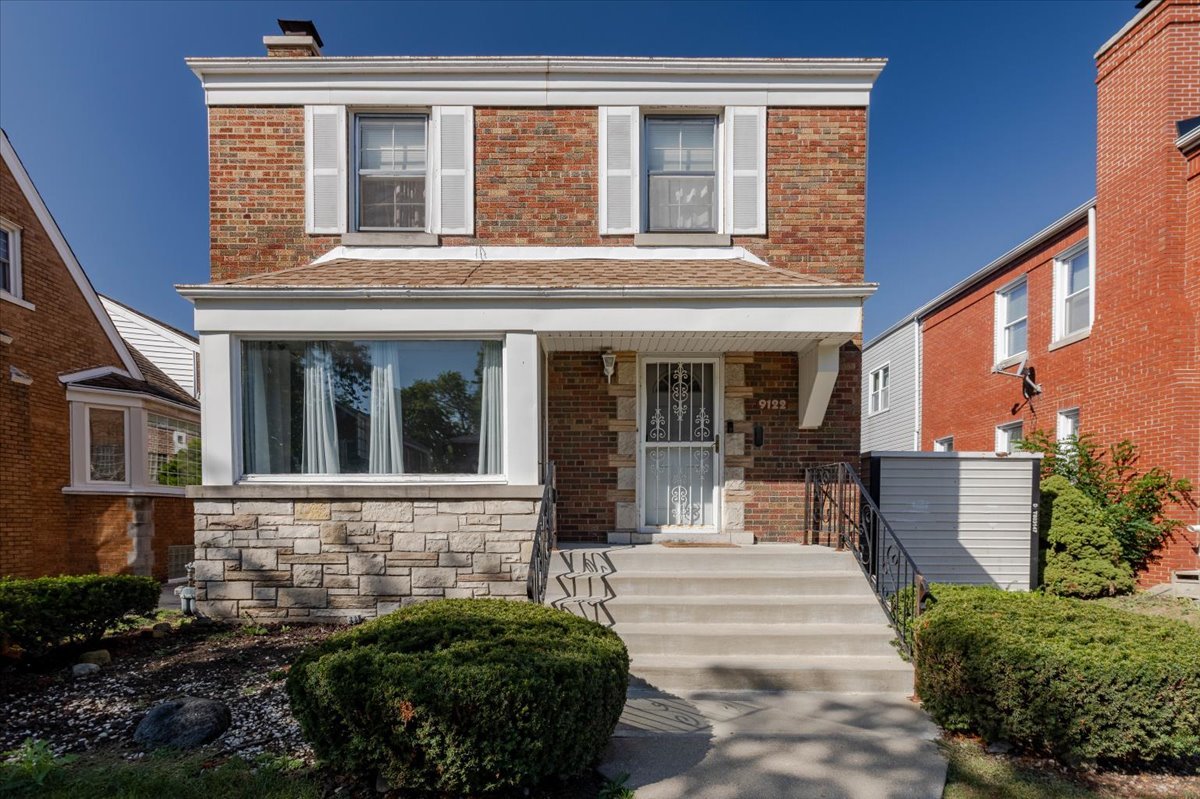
[{"x": 772, "y": 405}]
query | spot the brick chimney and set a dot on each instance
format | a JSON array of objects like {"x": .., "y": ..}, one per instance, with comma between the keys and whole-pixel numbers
[{"x": 299, "y": 40}]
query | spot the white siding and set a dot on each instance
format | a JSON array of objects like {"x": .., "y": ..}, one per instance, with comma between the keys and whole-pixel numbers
[
  {"x": 895, "y": 428},
  {"x": 964, "y": 517},
  {"x": 175, "y": 354}
]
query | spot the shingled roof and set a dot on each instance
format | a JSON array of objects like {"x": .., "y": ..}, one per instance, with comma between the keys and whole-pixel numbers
[{"x": 156, "y": 384}]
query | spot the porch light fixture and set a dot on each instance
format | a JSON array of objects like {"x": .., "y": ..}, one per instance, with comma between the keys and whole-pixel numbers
[{"x": 610, "y": 364}]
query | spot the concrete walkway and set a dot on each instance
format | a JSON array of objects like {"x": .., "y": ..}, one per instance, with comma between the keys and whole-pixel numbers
[{"x": 775, "y": 745}]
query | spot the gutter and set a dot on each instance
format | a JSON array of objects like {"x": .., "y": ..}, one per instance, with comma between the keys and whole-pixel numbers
[
  {"x": 1188, "y": 140},
  {"x": 208, "y": 291}
]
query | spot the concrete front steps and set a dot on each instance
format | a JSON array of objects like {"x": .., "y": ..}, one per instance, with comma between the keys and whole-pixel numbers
[{"x": 765, "y": 617}]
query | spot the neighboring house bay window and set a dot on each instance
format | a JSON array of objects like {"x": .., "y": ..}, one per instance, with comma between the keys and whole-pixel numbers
[
  {"x": 392, "y": 168},
  {"x": 172, "y": 451},
  {"x": 106, "y": 445},
  {"x": 395, "y": 407},
  {"x": 681, "y": 173}
]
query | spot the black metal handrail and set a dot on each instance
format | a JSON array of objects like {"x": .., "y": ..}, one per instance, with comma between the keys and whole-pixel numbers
[
  {"x": 543, "y": 540},
  {"x": 840, "y": 512}
]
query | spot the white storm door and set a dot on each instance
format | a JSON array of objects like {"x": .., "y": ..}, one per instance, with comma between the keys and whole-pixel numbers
[{"x": 680, "y": 456}]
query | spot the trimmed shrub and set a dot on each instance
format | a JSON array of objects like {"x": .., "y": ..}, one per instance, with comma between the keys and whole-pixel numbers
[
  {"x": 463, "y": 696},
  {"x": 1077, "y": 680},
  {"x": 1083, "y": 556},
  {"x": 44, "y": 612}
]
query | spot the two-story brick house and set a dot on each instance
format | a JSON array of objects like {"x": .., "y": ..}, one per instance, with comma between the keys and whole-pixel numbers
[
  {"x": 1103, "y": 302},
  {"x": 94, "y": 437},
  {"x": 431, "y": 277}
]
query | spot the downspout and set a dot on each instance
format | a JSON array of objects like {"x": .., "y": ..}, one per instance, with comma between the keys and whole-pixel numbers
[{"x": 918, "y": 371}]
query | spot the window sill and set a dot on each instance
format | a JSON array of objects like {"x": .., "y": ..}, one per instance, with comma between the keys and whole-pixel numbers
[
  {"x": 879, "y": 412},
  {"x": 350, "y": 491},
  {"x": 1071, "y": 339},
  {"x": 15, "y": 300},
  {"x": 1011, "y": 360},
  {"x": 682, "y": 239},
  {"x": 127, "y": 491},
  {"x": 386, "y": 239}
]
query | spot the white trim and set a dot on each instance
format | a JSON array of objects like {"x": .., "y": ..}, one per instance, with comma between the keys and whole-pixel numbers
[
  {"x": 817, "y": 373},
  {"x": 64, "y": 252},
  {"x": 339, "y": 171},
  {"x": 885, "y": 370},
  {"x": 482, "y": 253},
  {"x": 1058, "y": 314},
  {"x": 88, "y": 374},
  {"x": 129, "y": 399},
  {"x": 1189, "y": 139},
  {"x": 759, "y": 172},
  {"x": 436, "y": 170},
  {"x": 16, "y": 291},
  {"x": 121, "y": 490},
  {"x": 500, "y": 294},
  {"x": 537, "y": 81},
  {"x": 603, "y": 171},
  {"x": 718, "y": 415},
  {"x": 354, "y": 158},
  {"x": 29, "y": 306},
  {"x": 943, "y": 444},
  {"x": 1116, "y": 37},
  {"x": 87, "y": 445},
  {"x": 918, "y": 379}
]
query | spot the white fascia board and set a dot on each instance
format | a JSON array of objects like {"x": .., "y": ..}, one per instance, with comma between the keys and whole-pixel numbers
[
  {"x": 483, "y": 253},
  {"x": 88, "y": 374},
  {"x": 498, "y": 295},
  {"x": 537, "y": 81},
  {"x": 129, "y": 399},
  {"x": 285, "y": 314},
  {"x": 63, "y": 249}
]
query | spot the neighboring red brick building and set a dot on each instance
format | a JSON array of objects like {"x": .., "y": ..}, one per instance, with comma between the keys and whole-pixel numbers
[
  {"x": 1104, "y": 304},
  {"x": 623, "y": 234},
  {"x": 80, "y": 412}
]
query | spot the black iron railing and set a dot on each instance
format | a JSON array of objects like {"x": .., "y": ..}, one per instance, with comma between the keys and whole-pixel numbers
[
  {"x": 543, "y": 540},
  {"x": 840, "y": 513}
]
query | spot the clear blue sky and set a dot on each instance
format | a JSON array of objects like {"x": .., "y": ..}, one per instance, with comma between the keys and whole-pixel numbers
[{"x": 982, "y": 126}]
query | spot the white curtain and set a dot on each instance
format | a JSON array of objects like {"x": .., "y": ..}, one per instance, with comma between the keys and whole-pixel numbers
[
  {"x": 267, "y": 394},
  {"x": 491, "y": 401},
  {"x": 387, "y": 435},
  {"x": 320, "y": 416}
]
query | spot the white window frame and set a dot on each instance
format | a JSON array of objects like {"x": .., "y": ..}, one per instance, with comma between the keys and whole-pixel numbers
[
  {"x": 943, "y": 444},
  {"x": 1002, "y": 324},
  {"x": 16, "y": 290},
  {"x": 1061, "y": 261},
  {"x": 1066, "y": 417},
  {"x": 1004, "y": 436},
  {"x": 885, "y": 385},
  {"x": 237, "y": 386},
  {"x": 87, "y": 445},
  {"x": 719, "y": 176},
  {"x": 356, "y": 224}
]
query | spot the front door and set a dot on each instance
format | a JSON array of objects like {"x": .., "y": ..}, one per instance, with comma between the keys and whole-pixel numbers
[{"x": 679, "y": 437}]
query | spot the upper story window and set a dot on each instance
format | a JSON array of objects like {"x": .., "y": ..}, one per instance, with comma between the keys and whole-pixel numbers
[
  {"x": 10, "y": 259},
  {"x": 943, "y": 444},
  {"x": 681, "y": 173},
  {"x": 1012, "y": 321},
  {"x": 392, "y": 170},
  {"x": 1068, "y": 424},
  {"x": 1073, "y": 292},
  {"x": 879, "y": 389}
]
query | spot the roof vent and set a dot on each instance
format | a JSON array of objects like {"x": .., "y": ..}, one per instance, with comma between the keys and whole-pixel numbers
[{"x": 299, "y": 40}]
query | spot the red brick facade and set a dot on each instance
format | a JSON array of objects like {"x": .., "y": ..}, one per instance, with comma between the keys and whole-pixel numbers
[
  {"x": 536, "y": 184},
  {"x": 1138, "y": 374},
  {"x": 42, "y": 530}
]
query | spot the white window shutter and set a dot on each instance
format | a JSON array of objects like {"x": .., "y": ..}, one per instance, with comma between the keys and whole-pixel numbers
[
  {"x": 620, "y": 184},
  {"x": 746, "y": 168},
  {"x": 325, "y": 180},
  {"x": 453, "y": 131}
]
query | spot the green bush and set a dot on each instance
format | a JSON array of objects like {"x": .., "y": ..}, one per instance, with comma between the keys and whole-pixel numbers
[
  {"x": 1077, "y": 680},
  {"x": 1083, "y": 557},
  {"x": 463, "y": 696},
  {"x": 47, "y": 611}
]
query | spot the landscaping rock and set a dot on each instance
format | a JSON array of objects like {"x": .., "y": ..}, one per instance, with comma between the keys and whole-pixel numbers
[
  {"x": 160, "y": 630},
  {"x": 84, "y": 669},
  {"x": 999, "y": 748},
  {"x": 101, "y": 657},
  {"x": 183, "y": 724}
]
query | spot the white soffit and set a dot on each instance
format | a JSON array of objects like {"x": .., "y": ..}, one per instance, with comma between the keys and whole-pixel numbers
[
  {"x": 537, "y": 81},
  {"x": 480, "y": 253}
]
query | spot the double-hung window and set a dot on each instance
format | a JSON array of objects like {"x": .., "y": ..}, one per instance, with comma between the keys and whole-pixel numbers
[
  {"x": 1008, "y": 436},
  {"x": 1073, "y": 292},
  {"x": 879, "y": 390},
  {"x": 681, "y": 173},
  {"x": 1012, "y": 321},
  {"x": 10, "y": 259},
  {"x": 391, "y": 160},
  {"x": 106, "y": 448},
  {"x": 1068, "y": 424}
]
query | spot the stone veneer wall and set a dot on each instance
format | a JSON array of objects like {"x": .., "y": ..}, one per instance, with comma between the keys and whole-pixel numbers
[{"x": 325, "y": 560}]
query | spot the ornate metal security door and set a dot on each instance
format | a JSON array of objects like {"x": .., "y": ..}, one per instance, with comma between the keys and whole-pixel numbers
[{"x": 680, "y": 453}]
